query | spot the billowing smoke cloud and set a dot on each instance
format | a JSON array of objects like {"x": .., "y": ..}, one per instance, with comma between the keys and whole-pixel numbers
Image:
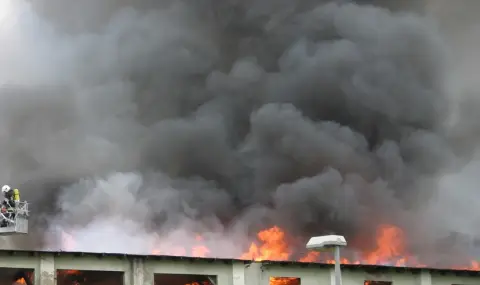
[{"x": 131, "y": 125}]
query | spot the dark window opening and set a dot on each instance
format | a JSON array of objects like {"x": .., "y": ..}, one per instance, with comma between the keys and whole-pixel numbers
[
  {"x": 89, "y": 277},
  {"x": 284, "y": 281},
  {"x": 371, "y": 282},
  {"x": 17, "y": 276},
  {"x": 184, "y": 279}
]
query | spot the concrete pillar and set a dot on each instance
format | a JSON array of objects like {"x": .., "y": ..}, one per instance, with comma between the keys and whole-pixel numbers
[
  {"x": 254, "y": 274},
  {"x": 45, "y": 271},
  {"x": 146, "y": 275},
  {"x": 137, "y": 273},
  {"x": 425, "y": 278},
  {"x": 238, "y": 273}
]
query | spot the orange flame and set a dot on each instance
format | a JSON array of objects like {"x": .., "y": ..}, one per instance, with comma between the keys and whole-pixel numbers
[
  {"x": 22, "y": 280},
  {"x": 390, "y": 249},
  {"x": 272, "y": 245},
  {"x": 284, "y": 281},
  {"x": 200, "y": 250}
]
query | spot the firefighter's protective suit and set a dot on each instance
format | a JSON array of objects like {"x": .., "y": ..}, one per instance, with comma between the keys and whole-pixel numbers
[{"x": 11, "y": 201}]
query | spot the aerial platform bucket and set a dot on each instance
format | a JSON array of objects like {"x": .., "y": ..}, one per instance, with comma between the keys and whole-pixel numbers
[{"x": 19, "y": 224}]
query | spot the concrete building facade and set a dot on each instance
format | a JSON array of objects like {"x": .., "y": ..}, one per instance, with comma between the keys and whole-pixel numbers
[{"x": 141, "y": 270}]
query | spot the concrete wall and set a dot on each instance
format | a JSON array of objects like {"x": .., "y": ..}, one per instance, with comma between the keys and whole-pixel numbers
[
  {"x": 313, "y": 275},
  {"x": 139, "y": 270}
]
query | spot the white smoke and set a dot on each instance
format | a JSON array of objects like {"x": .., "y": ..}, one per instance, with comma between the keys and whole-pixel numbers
[{"x": 109, "y": 215}]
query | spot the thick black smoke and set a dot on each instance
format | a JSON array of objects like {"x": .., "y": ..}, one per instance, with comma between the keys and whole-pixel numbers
[{"x": 147, "y": 123}]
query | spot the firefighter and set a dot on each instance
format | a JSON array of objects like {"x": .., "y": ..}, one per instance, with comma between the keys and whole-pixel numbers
[
  {"x": 10, "y": 203},
  {"x": 12, "y": 196}
]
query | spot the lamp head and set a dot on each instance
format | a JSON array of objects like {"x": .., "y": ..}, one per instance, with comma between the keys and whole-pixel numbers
[{"x": 326, "y": 242}]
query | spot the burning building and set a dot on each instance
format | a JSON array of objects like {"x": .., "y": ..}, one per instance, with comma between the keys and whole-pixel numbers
[
  {"x": 238, "y": 129},
  {"x": 76, "y": 268}
]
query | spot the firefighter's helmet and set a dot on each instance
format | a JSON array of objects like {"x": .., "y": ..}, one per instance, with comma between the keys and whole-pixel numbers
[{"x": 6, "y": 188}]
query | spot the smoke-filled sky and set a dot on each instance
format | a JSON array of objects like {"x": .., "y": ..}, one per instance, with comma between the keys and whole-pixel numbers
[{"x": 129, "y": 122}]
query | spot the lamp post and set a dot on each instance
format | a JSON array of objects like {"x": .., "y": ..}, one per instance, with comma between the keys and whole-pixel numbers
[{"x": 324, "y": 243}]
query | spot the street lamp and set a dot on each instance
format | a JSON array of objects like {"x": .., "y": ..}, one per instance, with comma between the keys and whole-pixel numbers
[{"x": 323, "y": 243}]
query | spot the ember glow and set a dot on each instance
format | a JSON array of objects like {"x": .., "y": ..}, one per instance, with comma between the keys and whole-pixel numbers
[{"x": 71, "y": 272}]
